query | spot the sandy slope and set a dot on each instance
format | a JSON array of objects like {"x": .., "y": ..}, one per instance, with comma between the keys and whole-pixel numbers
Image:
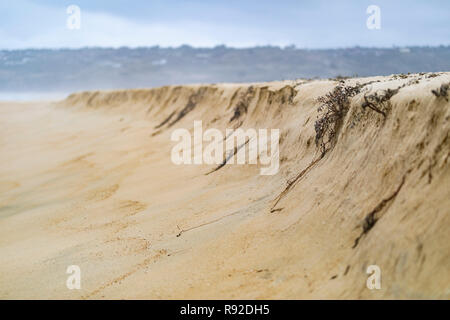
[{"x": 89, "y": 182}]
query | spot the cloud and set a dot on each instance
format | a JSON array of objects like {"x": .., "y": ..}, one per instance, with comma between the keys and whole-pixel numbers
[
  {"x": 317, "y": 24},
  {"x": 103, "y": 29}
]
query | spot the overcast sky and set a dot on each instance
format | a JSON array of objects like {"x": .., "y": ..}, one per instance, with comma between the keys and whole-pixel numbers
[{"x": 236, "y": 23}]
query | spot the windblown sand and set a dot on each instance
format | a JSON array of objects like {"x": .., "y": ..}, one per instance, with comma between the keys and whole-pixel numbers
[{"x": 89, "y": 181}]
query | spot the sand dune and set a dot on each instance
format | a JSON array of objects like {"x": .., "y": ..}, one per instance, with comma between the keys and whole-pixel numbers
[{"x": 89, "y": 181}]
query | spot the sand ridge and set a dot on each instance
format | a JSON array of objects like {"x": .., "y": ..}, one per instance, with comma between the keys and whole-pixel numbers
[{"x": 89, "y": 181}]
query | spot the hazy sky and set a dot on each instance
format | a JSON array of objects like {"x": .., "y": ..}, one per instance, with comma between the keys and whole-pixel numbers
[{"x": 237, "y": 23}]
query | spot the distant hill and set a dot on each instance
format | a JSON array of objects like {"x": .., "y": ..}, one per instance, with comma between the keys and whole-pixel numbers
[{"x": 66, "y": 70}]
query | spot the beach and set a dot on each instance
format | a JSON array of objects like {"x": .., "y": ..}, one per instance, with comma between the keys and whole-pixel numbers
[{"x": 89, "y": 181}]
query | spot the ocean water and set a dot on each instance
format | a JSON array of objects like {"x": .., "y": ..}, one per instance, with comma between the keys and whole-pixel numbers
[{"x": 32, "y": 96}]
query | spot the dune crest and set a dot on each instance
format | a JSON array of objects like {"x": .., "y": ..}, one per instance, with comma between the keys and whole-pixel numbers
[{"x": 363, "y": 180}]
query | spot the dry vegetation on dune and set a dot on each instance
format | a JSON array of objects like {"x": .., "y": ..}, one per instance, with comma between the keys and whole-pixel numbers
[{"x": 364, "y": 180}]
